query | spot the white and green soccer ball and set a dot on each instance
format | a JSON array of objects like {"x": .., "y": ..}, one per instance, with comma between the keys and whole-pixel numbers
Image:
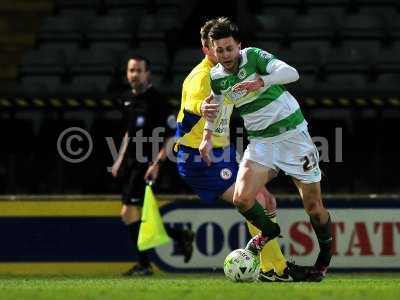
[{"x": 242, "y": 266}]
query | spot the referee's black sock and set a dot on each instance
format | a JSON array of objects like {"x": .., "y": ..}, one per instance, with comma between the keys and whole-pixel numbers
[
  {"x": 143, "y": 256},
  {"x": 325, "y": 240}
]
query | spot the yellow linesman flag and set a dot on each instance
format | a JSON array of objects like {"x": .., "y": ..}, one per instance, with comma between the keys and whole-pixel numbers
[{"x": 152, "y": 232}]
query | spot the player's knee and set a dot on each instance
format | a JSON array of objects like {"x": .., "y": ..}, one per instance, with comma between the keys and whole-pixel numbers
[
  {"x": 242, "y": 200},
  {"x": 315, "y": 209}
]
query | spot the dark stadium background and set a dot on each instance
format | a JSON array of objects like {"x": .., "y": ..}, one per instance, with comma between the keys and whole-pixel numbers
[{"x": 62, "y": 65}]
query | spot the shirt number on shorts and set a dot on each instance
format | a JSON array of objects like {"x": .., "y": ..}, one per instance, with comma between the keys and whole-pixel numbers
[{"x": 309, "y": 161}]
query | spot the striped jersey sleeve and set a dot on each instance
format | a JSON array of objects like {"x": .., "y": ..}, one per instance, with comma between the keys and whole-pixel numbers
[{"x": 262, "y": 59}]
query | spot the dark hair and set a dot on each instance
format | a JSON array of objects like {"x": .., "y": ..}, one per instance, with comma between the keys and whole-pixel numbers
[
  {"x": 224, "y": 28},
  {"x": 204, "y": 30},
  {"x": 140, "y": 58}
]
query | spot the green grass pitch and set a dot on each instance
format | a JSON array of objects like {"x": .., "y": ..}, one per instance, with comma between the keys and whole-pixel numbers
[{"x": 197, "y": 286}]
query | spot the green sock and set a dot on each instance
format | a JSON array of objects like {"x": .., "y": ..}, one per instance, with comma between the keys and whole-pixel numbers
[
  {"x": 325, "y": 240},
  {"x": 256, "y": 216}
]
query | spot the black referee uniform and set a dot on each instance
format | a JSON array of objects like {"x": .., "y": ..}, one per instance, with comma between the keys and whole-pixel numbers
[
  {"x": 148, "y": 119},
  {"x": 142, "y": 114}
]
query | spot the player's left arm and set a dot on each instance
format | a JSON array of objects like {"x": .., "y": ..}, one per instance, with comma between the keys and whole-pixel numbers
[
  {"x": 279, "y": 72},
  {"x": 271, "y": 70}
]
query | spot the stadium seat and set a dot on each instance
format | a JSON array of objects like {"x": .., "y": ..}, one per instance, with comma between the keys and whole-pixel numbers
[
  {"x": 344, "y": 85},
  {"x": 307, "y": 85},
  {"x": 394, "y": 28},
  {"x": 8, "y": 87},
  {"x": 347, "y": 60},
  {"x": 110, "y": 46},
  {"x": 68, "y": 49},
  {"x": 155, "y": 52},
  {"x": 94, "y": 61},
  {"x": 305, "y": 60},
  {"x": 323, "y": 46},
  {"x": 186, "y": 59},
  {"x": 387, "y": 85},
  {"x": 279, "y": 3},
  {"x": 32, "y": 86},
  {"x": 371, "y": 48},
  {"x": 336, "y": 12},
  {"x": 386, "y": 12},
  {"x": 126, "y": 3},
  {"x": 111, "y": 28},
  {"x": 169, "y": 7},
  {"x": 362, "y": 27},
  {"x": 373, "y": 3},
  {"x": 282, "y": 12},
  {"x": 61, "y": 28},
  {"x": 328, "y": 3},
  {"x": 153, "y": 27},
  {"x": 42, "y": 62},
  {"x": 272, "y": 27},
  {"x": 90, "y": 85},
  {"x": 78, "y": 5},
  {"x": 269, "y": 46},
  {"x": 312, "y": 27},
  {"x": 135, "y": 13},
  {"x": 388, "y": 60},
  {"x": 168, "y": 3}
]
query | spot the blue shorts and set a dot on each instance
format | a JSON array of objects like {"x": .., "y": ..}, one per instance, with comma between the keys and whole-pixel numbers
[{"x": 208, "y": 182}]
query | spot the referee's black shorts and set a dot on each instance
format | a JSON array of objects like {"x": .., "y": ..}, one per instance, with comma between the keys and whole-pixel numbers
[{"x": 131, "y": 176}]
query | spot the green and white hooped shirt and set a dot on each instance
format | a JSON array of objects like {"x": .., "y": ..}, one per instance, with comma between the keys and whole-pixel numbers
[{"x": 269, "y": 113}]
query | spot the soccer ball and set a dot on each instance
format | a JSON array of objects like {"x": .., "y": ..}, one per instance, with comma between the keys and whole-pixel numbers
[{"x": 242, "y": 266}]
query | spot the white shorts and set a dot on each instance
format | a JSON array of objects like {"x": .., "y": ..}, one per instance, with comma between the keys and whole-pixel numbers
[{"x": 297, "y": 156}]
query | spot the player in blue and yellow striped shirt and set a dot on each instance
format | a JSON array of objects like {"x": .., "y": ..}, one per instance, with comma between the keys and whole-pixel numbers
[{"x": 217, "y": 180}]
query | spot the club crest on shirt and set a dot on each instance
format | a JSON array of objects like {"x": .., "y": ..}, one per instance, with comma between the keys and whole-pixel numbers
[
  {"x": 225, "y": 173},
  {"x": 171, "y": 121},
  {"x": 223, "y": 84},
  {"x": 140, "y": 120},
  {"x": 242, "y": 74}
]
